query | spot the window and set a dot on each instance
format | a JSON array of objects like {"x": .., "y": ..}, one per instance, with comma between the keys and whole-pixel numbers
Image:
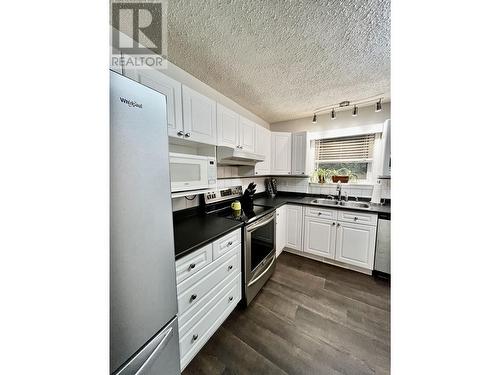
[{"x": 354, "y": 154}]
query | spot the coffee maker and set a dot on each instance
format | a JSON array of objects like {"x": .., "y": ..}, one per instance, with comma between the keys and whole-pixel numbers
[{"x": 271, "y": 187}]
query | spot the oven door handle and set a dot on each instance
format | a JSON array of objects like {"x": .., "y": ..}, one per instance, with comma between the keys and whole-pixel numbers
[
  {"x": 257, "y": 225},
  {"x": 262, "y": 273}
]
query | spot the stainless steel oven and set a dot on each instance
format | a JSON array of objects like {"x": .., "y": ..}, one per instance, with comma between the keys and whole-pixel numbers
[{"x": 260, "y": 254}]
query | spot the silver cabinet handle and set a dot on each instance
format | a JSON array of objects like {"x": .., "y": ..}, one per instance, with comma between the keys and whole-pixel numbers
[
  {"x": 188, "y": 135},
  {"x": 230, "y": 298},
  {"x": 338, "y": 224},
  {"x": 144, "y": 369},
  {"x": 229, "y": 243},
  {"x": 191, "y": 266},
  {"x": 180, "y": 133},
  {"x": 355, "y": 218},
  {"x": 193, "y": 297},
  {"x": 230, "y": 267},
  {"x": 319, "y": 213},
  {"x": 195, "y": 337}
]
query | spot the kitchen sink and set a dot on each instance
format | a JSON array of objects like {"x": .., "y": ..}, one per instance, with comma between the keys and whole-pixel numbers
[
  {"x": 355, "y": 204},
  {"x": 332, "y": 202},
  {"x": 328, "y": 202}
]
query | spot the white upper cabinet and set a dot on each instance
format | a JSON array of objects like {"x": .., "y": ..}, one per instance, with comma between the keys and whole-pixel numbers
[
  {"x": 299, "y": 153},
  {"x": 227, "y": 127},
  {"x": 200, "y": 116},
  {"x": 281, "y": 153},
  {"x": 319, "y": 237},
  {"x": 355, "y": 244},
  {"x": 294, "y": 227},
  {"x": 168, "y": 87},
  {"x": 247, "y": 135},
  {"x": 263, "y": 147}
]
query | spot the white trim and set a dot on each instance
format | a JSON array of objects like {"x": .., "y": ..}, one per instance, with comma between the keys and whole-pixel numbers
[{"x": 347, "y": 132}]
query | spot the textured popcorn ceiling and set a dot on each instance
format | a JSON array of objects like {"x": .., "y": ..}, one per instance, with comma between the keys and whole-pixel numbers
[{"x": 283, "y": 59}]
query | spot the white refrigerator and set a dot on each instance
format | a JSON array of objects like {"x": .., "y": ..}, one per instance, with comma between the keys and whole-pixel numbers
[{"x": 143, "y": 301}]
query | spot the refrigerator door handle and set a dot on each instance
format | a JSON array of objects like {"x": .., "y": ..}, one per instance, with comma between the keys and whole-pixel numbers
[{"x": 156, "y": 352}]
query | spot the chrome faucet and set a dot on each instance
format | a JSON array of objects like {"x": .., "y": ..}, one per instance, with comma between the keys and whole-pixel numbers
[{"x": 339, "y": 191}]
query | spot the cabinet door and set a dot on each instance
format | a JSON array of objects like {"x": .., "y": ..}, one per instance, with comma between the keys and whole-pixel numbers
[
  {"x": 199, "y": 117},
  {"x": 227, "y": 127},
  {"x": 299, "y": 153},
  {"x": 355, "y": 244},
  {"x": 319, "y": 237},
  {"x": 263, "y": 147},
  {"x": 168, "y": 87},
  {"x": 280, "y": 229},
  {"x": 294, "y": 227},
  {"x": 281, "y": 153},
  {"x": 247, "y": 135}
]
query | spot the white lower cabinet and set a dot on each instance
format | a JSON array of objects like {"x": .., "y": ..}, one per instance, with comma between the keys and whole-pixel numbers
[
  {"x": 319, "y": 236},
  {"x": 294, "y": 219},
  {"x": 208, "y": 295},
  {"x": 347, "y": 237},
  {"x": 280, "y": 229},
  {"x": 355, "y": 244}
]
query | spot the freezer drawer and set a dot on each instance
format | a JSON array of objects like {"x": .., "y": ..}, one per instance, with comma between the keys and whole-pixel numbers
[{"x": 159, "y": 357}]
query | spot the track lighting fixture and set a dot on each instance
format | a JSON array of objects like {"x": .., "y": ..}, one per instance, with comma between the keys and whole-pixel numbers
[{"x": 347, "y": 105}]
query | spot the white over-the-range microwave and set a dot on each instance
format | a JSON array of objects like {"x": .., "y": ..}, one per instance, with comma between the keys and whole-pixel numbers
[{"x": 192, "y": 172}]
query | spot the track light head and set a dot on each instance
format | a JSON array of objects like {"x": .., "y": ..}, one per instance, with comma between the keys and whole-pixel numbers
[
  {"x": 334, "y": 115},
  {"x": 378, "y": 108},
  {"x": 314, "y": 119},
  {"x": 355, "y": 111}
]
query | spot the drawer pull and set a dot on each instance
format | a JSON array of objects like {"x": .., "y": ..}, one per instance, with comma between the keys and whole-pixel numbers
[
  {"x": 230, "y": 298},
  {"x": 191, "y": 266},
  {"x": 193, "y": 297},
  {"x": 355, "y": 218},
  {"x": 195, "y": 337},
  {"x": 230, "y": 267},
  {"x": 229, "y": 243},
  {"x": 319, "y": 213}
]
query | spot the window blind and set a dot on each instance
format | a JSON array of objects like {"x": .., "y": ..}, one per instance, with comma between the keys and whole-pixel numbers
[{"x": 346, "y": 149}]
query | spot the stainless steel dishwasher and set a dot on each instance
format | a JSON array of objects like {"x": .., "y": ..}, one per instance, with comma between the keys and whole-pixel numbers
[{"x": 383, "y": 247}]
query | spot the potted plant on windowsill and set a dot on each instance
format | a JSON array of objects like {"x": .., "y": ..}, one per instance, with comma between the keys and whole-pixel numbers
[
  {"x": 320, "y": 174},
  {"x": 343, "y": 175}
]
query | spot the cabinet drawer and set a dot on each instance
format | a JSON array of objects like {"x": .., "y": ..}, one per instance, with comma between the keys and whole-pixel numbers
[
  {"x": 193, "y": 294},
  {"x": 226, "y": 243},
  {"x": 322, "y": 213},
  {"x": 208, "y": 319},
  {"x": 193, "y": 263},
  {"x": 358, "y": 217}
]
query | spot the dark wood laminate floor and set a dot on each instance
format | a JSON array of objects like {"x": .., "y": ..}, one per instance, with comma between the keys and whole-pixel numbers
[{"x": 310, "y": 318}]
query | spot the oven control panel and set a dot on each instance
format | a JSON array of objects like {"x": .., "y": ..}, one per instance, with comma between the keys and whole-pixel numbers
[{"x": 223, "y": 194}]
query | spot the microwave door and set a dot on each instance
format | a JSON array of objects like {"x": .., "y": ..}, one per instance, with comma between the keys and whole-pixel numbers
[{"x": 188, "y": 174}]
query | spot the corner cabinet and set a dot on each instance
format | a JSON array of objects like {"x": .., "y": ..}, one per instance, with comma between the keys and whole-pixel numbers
[
  {"x": 200, "y": 116},
  {"x": 294, "y": 227},
  {"x": 281, "y": 153},
  {"x": 299, "y": 153},
  {"x": 263, "y": 147},
  {"x": 355, "y": 244},
  {"x": 281, "y": 229},
  {"x": 168, "y": 87}
]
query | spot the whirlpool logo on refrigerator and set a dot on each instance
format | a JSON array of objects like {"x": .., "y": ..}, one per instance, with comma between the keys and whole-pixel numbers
[{"x": 130, "y": 103}]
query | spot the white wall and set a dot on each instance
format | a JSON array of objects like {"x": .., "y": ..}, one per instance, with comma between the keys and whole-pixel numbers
[{"x": 366, "y": 116}]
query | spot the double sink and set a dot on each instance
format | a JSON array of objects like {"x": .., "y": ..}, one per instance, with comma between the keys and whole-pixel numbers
[{"x": 332, "y": 202}]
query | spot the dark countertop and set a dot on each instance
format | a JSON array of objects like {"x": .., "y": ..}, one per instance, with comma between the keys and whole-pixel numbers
[
  {"x": 198, "y": 229},
  {"x": 193, "y": 232},
  {"x": 282, "y": 199}
]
